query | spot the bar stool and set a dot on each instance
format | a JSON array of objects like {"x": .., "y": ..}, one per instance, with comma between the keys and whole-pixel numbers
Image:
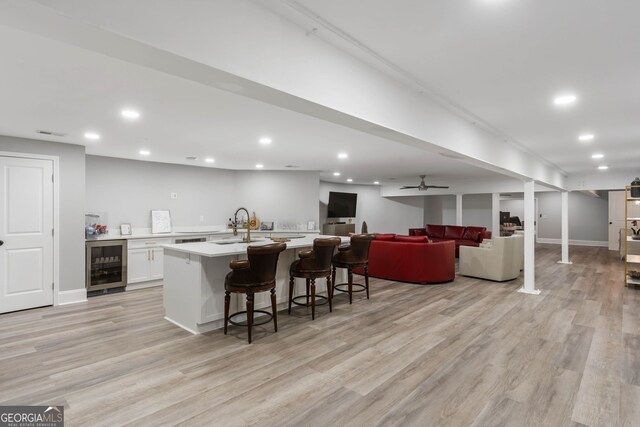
[
  {"x": 256, "y": 274},
  {"x": 351, "y": 256},
  {"x": 312, "y": 265}
]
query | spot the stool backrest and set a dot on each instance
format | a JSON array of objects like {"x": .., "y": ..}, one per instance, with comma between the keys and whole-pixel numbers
[
  {"x": 360, "y": 244},
  {"x": 263, "y": 261},
  {"x": 323, "y": 250}
]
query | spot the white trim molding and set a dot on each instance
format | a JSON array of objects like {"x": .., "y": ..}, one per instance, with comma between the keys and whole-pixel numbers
[
  {"x": 72, "y": 297},
  {"x": 574, "y": 242}
]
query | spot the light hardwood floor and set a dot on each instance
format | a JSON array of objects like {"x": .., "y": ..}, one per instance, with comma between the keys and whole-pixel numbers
[{"x": 470, "y": 352}]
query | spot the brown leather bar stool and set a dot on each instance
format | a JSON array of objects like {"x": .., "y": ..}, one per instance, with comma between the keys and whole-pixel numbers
[
  {"x": 351, "y": 256},
  {"x": 312, "y": 265},
  {"x": 256, "y": 274}
]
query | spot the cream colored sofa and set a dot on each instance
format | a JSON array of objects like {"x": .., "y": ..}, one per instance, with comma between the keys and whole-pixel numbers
[{"x": 502, "y": 261}]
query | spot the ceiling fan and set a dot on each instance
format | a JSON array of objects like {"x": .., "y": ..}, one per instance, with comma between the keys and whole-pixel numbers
[{"x": 423, "y": 186}]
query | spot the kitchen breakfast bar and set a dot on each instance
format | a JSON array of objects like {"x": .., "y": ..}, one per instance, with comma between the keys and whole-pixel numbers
[{"x": 194, "y": 276}]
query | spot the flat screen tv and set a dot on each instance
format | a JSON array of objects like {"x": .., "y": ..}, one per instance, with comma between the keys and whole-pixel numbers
[{"x": 342, "y": 205}]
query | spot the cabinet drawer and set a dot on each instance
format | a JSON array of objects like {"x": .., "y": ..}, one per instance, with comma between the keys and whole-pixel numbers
[{"x": 148, "y": 243}]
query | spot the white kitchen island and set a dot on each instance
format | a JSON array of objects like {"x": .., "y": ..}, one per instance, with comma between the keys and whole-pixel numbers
[{"x": 194, "y": 276}]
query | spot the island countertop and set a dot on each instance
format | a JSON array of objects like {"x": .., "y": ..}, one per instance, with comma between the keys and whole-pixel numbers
[{"x": 222, "y": 247}]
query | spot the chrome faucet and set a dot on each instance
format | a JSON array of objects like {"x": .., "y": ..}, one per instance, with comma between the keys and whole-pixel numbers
[{"x": 235, "y": 224}]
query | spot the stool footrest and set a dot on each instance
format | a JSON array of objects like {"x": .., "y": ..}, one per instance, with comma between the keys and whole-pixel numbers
[
  {"x": 345, "y": 287},
  {"x": 304, "y": 304},
  {"x": 262, "y": 322}
]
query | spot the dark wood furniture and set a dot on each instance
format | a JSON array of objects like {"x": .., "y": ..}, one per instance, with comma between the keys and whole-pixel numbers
[
  {"x": 255, "y": 274},
  {"x": 338, "y": 229},
  {"x": 353, "y": 255},
  {"x": 312, "y": 265}
]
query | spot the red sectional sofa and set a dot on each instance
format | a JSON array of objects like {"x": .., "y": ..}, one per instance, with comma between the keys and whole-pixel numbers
[
  {"x": 411, "y": 259},
  {"x": 465, "y": 236}
]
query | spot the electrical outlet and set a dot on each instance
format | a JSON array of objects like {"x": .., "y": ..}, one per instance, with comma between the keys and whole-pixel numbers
[
  {"x": 174, "y": 195},
  {"x": 201, "y": 218}
]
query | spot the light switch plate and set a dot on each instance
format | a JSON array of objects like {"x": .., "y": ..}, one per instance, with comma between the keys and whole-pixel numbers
[{"x": 174, "y": 195}]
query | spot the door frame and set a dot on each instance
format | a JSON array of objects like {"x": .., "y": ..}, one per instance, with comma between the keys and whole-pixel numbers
[{"x": 56, "y": 213}]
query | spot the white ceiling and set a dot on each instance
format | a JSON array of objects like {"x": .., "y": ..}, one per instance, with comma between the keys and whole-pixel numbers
[
  {"x": 501, "y": 61},
  {"x": 47, "y": 85},
  {"x": 504, "y": 61}
]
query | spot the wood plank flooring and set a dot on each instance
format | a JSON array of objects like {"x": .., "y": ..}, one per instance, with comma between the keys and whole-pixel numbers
[{"x": 467, "y": 353}]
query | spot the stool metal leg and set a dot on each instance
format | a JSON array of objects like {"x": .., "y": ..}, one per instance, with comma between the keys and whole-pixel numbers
[
  {"x": 333, "y": 279},
  {"x": 227, "y": 299},
  {"x": 313, "y": 299},
  {"x": 274, "y": 309},
  {"x": 249, "y": 314},
  {"x": 291, "y": 283},
  {"x": 308, "y": 282},
  {"x": 350, "y": 273},
  {"x": 330, "y": 293},
  {"x": 366, "y": 279}
]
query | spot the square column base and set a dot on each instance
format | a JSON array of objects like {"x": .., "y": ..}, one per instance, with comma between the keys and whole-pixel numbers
[{"x": 526, "y": 291}]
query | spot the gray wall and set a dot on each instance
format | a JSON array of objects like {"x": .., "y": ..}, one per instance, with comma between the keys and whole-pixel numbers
[
  {"x": 127, "y": 190},
  {"x": 383, "y": 215},
  {"x": 588, "y": 217},
  {"x": 72, "y": 203},
  {"x": 476, "y": 210}
]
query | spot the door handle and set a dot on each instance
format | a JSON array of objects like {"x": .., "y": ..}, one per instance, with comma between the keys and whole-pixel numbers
[
  {"x": 148, "y": 255},
  {"x": 153, "y": 254},
  {"x": 1, "y": 242},
  {"x": 610, "y": 223}
]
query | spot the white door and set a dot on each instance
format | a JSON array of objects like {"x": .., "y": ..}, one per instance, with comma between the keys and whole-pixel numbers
[
  {"x": 616, "y": 218},
  {"x": 26, "y": 230}
]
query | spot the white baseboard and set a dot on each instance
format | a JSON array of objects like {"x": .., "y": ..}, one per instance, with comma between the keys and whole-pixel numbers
[
  {"x": 72, "y": 297},
  {"x": 144, "y": 285},
  {"x": 574, "y": 242}
]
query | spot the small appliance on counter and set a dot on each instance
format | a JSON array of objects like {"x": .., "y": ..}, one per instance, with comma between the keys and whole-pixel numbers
[{"x": 94, "y": 225}]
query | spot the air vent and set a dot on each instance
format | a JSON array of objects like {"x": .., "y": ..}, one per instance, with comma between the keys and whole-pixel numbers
[
  {"x": 292, "y": 166},
  {"x": 191, "y": 158},
  {"x": 50, "y": 133}
]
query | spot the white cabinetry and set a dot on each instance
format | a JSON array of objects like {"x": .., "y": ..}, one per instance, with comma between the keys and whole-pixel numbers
[{"x": 145, "y": 258}]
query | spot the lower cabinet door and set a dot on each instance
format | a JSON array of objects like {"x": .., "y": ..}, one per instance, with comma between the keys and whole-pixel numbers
[
  {"x": 157, "y": 263},
  {"x": 138, "y": 265}
]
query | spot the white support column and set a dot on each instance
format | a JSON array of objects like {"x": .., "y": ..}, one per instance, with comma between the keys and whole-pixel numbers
[
  {"x": 495, "y": 215},
  {"x": 529, "y": 240},
  {"x": 458, "y": 209},
  {"x": 565, "y": 228}
]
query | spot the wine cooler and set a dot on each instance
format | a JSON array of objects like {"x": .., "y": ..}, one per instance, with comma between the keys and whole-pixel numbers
[{"x": 106, "y": 264}]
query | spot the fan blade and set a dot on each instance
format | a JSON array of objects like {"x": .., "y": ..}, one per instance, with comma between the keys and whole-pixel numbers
[
  {"x": 436, "y": 186},
  {"x": 406, "y": 187}
]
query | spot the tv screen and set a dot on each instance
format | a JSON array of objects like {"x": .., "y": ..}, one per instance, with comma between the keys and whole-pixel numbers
[{"x": 342, "y": 205}]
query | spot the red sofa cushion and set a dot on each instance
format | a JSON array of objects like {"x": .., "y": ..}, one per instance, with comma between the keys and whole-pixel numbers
[
  {"x": 474, "y": 233},
  {"x": 415, "y": 239},
  {"x": 453, "y": 232},
  {"x": 435, "y": 231},
  {"x": 387, "y": 237}
]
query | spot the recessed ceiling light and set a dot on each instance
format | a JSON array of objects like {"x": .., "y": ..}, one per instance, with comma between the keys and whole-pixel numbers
[
  {"x": 376, "y": 182},
  {"x": 130, "y": 114},
  {"x": 565, "y": 99},
  {"x": 597, "y": 156},
  {"x": 342, "y": 155},
  {"x": 92, "y": 135},
  {"x": 349, "y": 180},
  {"x": 144, "y": 152},
  {"x": 336, "y": 174},
  {"x": 586, "y": 137},
  {"x": 603, "y": 167},
  {"x": 265, "y": 140},
  {"x": 209, "y": 160},
  {"x": 259, "y": 166}
]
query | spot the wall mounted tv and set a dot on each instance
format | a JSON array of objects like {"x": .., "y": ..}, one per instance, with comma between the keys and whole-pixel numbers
[{"x": 342, "y": 205}]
